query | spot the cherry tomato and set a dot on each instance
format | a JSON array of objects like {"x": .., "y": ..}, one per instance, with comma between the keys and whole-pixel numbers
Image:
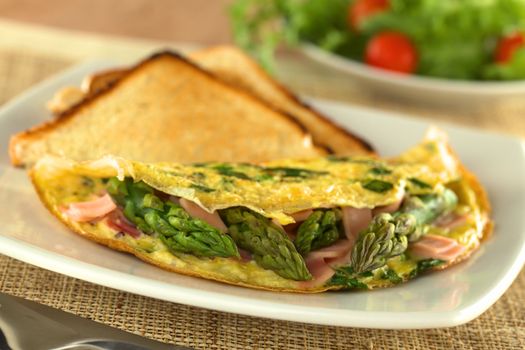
[
  {"x": 362, "y": 9},
  {"x": 392, "y": 51},
  {"x": 507, "y": 46}
]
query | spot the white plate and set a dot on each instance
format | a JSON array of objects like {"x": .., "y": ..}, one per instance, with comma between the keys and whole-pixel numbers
[
  {"x": 455, "y": 296},
  {"x": 414, "y": 87}
]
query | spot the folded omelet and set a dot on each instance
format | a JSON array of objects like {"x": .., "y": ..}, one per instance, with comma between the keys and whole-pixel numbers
[{"x": 290, "y": 225}]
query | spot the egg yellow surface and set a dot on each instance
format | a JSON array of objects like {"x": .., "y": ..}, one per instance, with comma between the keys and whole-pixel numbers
[{"x": 275, "y": 190}]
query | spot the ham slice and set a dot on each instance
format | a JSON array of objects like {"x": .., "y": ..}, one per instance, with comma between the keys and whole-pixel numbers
[
  {"x": 336, "y": 250},
  {"x": 437, "y": 247},
  {"x": 299, "y": 217},
  {"x": 355, "y": 220},
  {"x": 320, "y": 262},
  {"x": 390, "y": 208},
  {"x": 451, "y": 221},
  {"x": 320, "y": 270},
  {"x": 197, "y": 212},
  {"x": 90, "y": 210},
  {"x": 246, "y": 256},
  {"x": 117, "y": 221},
  {"x": 291, "y": 230}
]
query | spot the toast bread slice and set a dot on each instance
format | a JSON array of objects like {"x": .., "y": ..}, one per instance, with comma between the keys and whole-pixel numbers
[
  {"x": 167, "y": 109},
  {"x": 235, "y": 67}
]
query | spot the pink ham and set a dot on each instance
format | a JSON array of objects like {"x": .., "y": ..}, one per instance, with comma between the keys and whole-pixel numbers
[
  {"x": 90, "y": 210},
  {"x": 246, "y": 256},
  {"x": 343, "y": 249},
  {"x": 301, "y": 215},
  {"x": 197, "y": 212},
  {"x": 117, "y": 221},
  {"x": 451, "y": 221},
  {"x": 355, "y": 220},
  {"x": 335, "y": 250},
  {"x": 437, "y": 247},
  {"x": 320, "y": 262},
  {"x": 320, "y": 270},
  {"x": 291, "y": 230},
  {"x": 390, "y": 208}
]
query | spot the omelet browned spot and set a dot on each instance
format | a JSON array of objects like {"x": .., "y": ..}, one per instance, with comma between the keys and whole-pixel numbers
[{"x": 274, "y": 190}]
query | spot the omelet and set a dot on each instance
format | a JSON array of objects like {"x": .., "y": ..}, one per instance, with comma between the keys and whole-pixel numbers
[{"x": 297, "y": 225}]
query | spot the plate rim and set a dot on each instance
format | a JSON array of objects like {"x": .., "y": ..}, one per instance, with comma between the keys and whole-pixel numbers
[{"x": 429, "y": 84}]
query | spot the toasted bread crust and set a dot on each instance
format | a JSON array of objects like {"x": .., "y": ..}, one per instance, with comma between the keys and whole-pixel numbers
[
  {"x": 349, "y": 143},
  {"x": 18, "y": 141},
  {"x": 326, "y": 133}
]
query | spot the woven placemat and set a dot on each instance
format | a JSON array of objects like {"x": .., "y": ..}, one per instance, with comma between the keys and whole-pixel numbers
[{"x": 501, "y": 327}]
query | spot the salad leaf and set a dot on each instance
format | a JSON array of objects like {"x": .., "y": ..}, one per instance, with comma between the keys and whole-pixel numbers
[
  {"x": 512, "y": 70},
  {"x": 454, "y": 39},
  {"x": 260, "y": 26}
]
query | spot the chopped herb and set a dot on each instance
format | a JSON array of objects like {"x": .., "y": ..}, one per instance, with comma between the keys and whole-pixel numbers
[
  {"x": 379, "y": 186},
  {"x": 379, "y": 170},
  {"x": 392, "y": 276},
  {"x": 227, "y": 183},
  {"x": 346, "y": 269},
  {"x": 198, "y": 176},
  {"x": 87, "y": 182},
  {"x": 419, "y": 183},
  {"x": 293, "y": 172},
  {"x": 333, "y": 158},
  {"x": 249, "y": 165},
  {"x": 425, "y": 265},
  {"x": 367, "y": 274},
  {"x": 341, "y": 159},
  {"x": 344, "y": 277},
  {"x": 428, "y": 264},
  {"x": 228, "y": 170},
  {"x": 202, "y": 188},
  {"x": 263, "y": 177},
  {"x": 344, "y": 281}
]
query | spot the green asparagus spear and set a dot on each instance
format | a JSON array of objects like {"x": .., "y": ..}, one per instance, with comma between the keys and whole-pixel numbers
[
  {"x": 427, "y": 208},
  {"x": 270, "y": 246},
  {"x": 180, "y": 232},
  {"x": 388, "y": 235},
  {"x": 319, "y": 230},
  {"x": 377, "y": 243}
]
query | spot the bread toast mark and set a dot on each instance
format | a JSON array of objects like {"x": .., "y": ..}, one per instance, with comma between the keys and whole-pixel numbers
[{"x": 21, "y": 140}]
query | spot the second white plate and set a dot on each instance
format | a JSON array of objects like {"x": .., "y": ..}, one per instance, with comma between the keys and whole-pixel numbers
[{"x": 419, "y": 88}]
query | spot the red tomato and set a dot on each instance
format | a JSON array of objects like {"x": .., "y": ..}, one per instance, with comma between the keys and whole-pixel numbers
[
  {"x": 361, "y": 9},
  {"x": 507, "y": 46},
  {"x": 391, "y": 51}
]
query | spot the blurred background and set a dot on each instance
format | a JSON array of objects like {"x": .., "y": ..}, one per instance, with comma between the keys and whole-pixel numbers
[
  {"x": 199, "y": 21},
  {"x": 442, "y": 63}
]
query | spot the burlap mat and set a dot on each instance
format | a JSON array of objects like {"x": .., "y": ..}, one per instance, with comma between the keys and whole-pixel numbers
[{"x": 501, "y": 327}]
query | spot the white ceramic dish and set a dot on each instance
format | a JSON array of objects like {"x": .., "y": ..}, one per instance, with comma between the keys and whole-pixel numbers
[
  {"x": 413, "y": 87},
  {"x": 455, "y": 296}
]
